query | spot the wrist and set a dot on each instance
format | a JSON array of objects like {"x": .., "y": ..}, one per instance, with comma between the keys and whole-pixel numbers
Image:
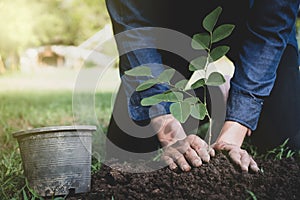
[
  {"x": 168, "y": 129},
  {"x": 233, "y": 133}
]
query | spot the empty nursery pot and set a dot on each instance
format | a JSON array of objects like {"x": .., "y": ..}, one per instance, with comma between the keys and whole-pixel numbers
[{"x": 57, "y": 159}]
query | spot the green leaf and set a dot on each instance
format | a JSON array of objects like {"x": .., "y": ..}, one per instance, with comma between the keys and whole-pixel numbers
[
  {"x": 192, "y": 68},
  {"x": 201, "y": 41},
  {"x": 173, "y": 96},
  {"x": 181, "y": 111},
  {"x": 192, "y": 100},
  {"x": 198, "y": 111},
  {"x": 222, "y": 32},
  {"x": 199, "y": 63},
  {"x": 152, "y": 100},
  {"x": 181, "y": 84},
  {"x": 24, "y": 195},
  {"x": 139, "y": 71},
  {"x": 219, "y": 52},
  {"x": 215, "y": 79},
  {"x": 169, "y": 96},
  {"x": 147, "y": 84},
  {"x": 166, "y": 75},
  {"x": 198, "y": 83},
  {"x": 211, "y": 19}
]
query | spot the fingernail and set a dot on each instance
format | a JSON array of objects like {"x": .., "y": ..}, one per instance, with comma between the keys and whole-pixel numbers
[
  {"x": 207, "y": 159},
  {"x": 173, "y": 167},
  {"x": 197, "y": 163},
  {"x": 185, "y": 168},
  {"x": 244, "y": 168},
  {"x": 212, "y": 152},
  {"x": 256, "y": 169}
]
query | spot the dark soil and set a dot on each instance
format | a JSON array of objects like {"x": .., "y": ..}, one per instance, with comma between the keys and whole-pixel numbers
[{"x": 279, "y": 179}]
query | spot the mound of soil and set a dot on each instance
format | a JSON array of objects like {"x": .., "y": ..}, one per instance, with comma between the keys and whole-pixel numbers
[{"x": 220, "y": 179}]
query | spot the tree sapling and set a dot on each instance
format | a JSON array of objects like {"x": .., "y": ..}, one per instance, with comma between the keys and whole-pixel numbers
[{"x": 184, "y": 103}]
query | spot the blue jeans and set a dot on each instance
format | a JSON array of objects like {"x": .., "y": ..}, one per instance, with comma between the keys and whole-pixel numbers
[{"x": 280, "y": 115}]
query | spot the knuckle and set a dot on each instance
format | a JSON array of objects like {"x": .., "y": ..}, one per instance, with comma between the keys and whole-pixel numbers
[
  {"x": 199, "y": 144},
  {"x": 181, "y": 143},
  {"x": 233, "y": 153},
  {"x": 191, "y": 138},
  {"x": 188, "y": 150},
  {"x": 178, "y": 156},
  {"x": 202, "y": 150},
  {"x": 196, "y": 142},
  {"x": 244, "y": 152},
  {"x": 167, "y": 152},
  {"x": 202, "y": 143},
  {"x": 168, "y": 160},
  {"x": 181, "y": 146}
]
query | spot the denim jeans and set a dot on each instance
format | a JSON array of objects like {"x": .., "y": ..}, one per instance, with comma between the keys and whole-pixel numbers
[
  {"x": 264, "y": 38},
  {"x": 280, "y": 115}
]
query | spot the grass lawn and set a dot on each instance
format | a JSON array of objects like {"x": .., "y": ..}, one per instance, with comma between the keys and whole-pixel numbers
[
  {"x": 46, "y": 104},
  {"x": 22, "y": 110}
]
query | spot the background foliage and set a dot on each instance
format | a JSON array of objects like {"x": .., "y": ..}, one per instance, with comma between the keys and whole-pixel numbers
[{"x": 27, "y": 23}]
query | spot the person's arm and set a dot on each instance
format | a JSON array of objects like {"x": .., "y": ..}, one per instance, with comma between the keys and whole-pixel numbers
[
  {"x": 130, "y": 26},
  {"x": 269, "y": 26},
  {"x": 133, "y": 44}
]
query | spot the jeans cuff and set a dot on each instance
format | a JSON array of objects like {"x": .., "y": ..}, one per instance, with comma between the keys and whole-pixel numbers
[
  {"x": 243, "y": 107},
  {"x": 139, "y": 113}
]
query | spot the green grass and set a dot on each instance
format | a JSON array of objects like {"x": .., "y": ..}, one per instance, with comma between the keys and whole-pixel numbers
[
  {"x": 252, "y": 195},
  {"x": 280, "y": 152},
  {"x": 28, "y": 109},
  {"x": 23, "y": 110}
]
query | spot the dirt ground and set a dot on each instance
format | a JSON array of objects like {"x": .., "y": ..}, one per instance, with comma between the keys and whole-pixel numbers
[{"x": 278, "y": 179}]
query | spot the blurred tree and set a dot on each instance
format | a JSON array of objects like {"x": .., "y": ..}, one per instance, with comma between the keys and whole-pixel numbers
[
  {"x": 27, "y": 23},
  {"x": 2, "y": 69},
  {"x": 69, "y": 21},
  {"x": 16, "y": 24}
]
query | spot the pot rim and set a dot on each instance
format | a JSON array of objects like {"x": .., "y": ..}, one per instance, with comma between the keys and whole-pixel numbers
[{"x": 48, "y": 129}]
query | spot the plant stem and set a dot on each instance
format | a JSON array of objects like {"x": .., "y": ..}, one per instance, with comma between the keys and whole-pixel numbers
[
  {"x": 204, "y": 95},
  {"x": 209, "y": 117},
  {"x": 209, "y": 131}
]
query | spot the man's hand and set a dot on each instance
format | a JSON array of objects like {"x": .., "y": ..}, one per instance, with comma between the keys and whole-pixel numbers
[
  {"x": 239, "y": 156},
  {"x": 180, "y": 150},
  {"x": 230, "y": 139},
  {"x": 191, "y": 151}
]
